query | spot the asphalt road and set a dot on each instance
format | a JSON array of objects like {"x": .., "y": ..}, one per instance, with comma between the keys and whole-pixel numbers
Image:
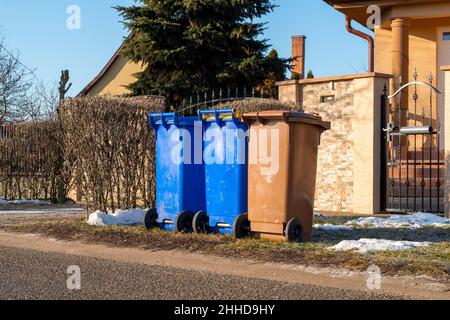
[{"x": 29, "y": 274}]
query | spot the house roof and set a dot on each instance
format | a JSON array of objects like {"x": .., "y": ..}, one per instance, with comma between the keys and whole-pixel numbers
[
  {"x": 332, "y": 2},
  {"x": 357, "y": 9},
  {"x": 378, "y": 2},
  {"x": 105, "y": 69}
]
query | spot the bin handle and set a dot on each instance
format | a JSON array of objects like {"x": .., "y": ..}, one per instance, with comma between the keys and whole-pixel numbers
[
  {"x": 165, "y": 117},
  {"x": 259, "y": 119},
  {"x": 262, "y": 117},
  {"x": 217, "y": 113}
]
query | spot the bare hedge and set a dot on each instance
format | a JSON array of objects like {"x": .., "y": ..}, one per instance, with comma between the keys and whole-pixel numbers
[
  {"x": 110, "y": 150},
  {"x": 101, "y": 145},
  {"x": 29, "y": 162}
]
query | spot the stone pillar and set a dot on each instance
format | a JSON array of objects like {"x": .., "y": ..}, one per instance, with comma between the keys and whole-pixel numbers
[
  {"x": 446, "y": 69},
  {"x": 400, "y": 64},
  {"x": 290, "y": 91},
  {"x": 367, "y": 126}
]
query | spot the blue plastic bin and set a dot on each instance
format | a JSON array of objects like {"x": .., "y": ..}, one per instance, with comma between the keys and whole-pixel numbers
[
  {"x": 180, "y": 178},
  {"x": 225, "y": 145}
]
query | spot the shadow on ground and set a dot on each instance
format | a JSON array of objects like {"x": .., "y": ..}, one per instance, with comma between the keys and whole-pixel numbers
[
  {"x": 429, "y": 234},
  {"x": 404, "y": 234}
]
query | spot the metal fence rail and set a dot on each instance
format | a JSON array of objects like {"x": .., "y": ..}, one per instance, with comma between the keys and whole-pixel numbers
[{"x": 210, "y": 98}]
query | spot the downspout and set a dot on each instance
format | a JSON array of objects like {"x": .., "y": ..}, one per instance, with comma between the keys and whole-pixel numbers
[{"x": 348, "y": 24}]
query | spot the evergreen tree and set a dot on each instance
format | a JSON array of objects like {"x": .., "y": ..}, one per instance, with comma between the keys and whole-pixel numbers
[
  {"x": 274, "y": 70},
  {"x": 188, "y": 46}
]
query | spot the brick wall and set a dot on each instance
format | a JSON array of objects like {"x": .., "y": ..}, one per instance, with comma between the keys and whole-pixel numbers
[{"x": 298, "y": 54}]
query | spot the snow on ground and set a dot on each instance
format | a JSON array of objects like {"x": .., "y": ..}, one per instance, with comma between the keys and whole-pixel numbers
[
  {"x": 414, "y": 221},
  {"x": 120, "y": 217},
  {"x": 24, "y": 201},
  {"x": 38, "y": 202},
  {"x": 371, "y": 245},
  {"x": 41, "y": 211},
  {"x": 332, "y": 227}
]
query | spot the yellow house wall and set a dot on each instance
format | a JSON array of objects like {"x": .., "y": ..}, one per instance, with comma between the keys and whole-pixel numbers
[
  {"x": 118, "y": 76},
  {"x": 423, "y": 52}
]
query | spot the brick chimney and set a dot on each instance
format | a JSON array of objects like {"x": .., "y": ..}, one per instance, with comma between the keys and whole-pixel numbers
[{"x": 298, "y": 56}]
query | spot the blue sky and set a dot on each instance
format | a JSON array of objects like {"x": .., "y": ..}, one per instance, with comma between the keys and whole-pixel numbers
[{"x": 37, "y": 29}]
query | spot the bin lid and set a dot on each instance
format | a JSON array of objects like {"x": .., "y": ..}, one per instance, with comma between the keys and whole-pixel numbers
[
  {"x": 286, "y": 116},
  {"x": 214, "y": 115},
  {"x": 158, "y": 119}
]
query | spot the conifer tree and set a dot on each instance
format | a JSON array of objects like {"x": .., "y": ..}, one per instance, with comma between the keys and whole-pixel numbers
[{"x": 188, "y": 46}]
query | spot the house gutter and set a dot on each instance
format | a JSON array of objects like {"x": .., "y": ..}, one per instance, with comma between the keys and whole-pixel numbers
[{"x": 368, "y": 38}]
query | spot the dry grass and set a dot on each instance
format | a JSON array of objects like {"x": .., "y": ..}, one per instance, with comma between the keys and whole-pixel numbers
[{"x": 432, "y": 261}]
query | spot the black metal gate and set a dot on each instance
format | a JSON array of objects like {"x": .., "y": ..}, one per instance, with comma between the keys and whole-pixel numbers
[{"x": 413, "y": 163}]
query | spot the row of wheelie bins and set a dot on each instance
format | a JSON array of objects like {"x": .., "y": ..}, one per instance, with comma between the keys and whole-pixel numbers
[{"x": 246, "y": 175}]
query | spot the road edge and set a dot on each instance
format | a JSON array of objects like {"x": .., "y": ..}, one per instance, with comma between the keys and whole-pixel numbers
[{"x": 415, "y": 287}]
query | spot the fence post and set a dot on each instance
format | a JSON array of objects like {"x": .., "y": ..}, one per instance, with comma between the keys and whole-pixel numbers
[{"x": 446, "y": 124}]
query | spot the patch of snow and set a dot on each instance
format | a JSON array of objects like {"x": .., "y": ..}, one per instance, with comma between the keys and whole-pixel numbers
[
  {"x": 24, "y": 201},
  {"x": 331, "y": 227},
  {"x": 318, "y": 214},
  {"x": 414, "y": 221},
  {"x": 42, "y": 211},
  {"x": 371, "y": 245},
  {"x": 27, "y": 201},
  {"x": 118, "y": 218}
]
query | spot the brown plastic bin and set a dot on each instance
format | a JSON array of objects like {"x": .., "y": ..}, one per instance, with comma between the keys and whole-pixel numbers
[{"x": 281, "y": 194}]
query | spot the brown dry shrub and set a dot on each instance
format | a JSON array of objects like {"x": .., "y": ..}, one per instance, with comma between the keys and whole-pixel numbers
[
  {"x": 29, "y": 160},
  {"x": 110, "y": 149}
]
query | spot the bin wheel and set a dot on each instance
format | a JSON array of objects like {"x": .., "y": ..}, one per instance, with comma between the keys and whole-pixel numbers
[
  {"x": 241, "y": 226},
  {"x": 200, "y": 223},
  {"x": 294, "y": 231},
  {"x": 183, "y": 222},
  {"x": 150, "y": 219}
]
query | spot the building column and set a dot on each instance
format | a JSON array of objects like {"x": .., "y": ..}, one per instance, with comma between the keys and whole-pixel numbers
[
  {"x": 446, "y": 69},
  {"x": 400, "y": 64}
]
